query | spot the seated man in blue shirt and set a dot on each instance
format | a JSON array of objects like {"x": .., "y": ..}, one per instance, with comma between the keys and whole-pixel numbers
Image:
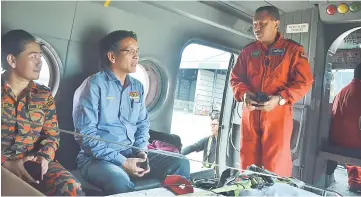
[{"x": 110, "y": 105}]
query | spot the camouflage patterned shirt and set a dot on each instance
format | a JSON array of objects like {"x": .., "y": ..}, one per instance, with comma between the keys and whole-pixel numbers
[{"x": 19, "y": 139}]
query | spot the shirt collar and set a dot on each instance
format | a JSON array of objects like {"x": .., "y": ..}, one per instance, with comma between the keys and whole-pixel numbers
[
  {"x": 111, "y": 76},
  {"x": 32, "y": 88},
  {"x": 278, "y": 39}
]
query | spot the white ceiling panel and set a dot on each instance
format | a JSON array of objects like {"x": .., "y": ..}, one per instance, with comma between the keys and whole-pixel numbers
[
  {"x": 249, "y": 7},
  {"x": 290, "y": 6}
]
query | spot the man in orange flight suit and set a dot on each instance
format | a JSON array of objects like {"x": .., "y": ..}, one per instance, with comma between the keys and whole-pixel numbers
[
  {"x": 346, "y": 124},
  {"x": 279, "y": 68}
]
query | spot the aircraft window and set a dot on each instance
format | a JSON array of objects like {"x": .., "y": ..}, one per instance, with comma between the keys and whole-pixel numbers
[
  {"x": 44, "y": 78},
  {"x": 340, "y": 79},
  {"x": 141, "y": 75},
  {"x": 51, "y": 66},
  {"x": 199, "y": 91},
  {"x": 149, "y": 75}
]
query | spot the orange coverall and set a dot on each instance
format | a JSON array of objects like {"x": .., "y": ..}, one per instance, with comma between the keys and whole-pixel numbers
[
  {"x": 281, "y": 69},
  {"x": 345, "y": 131}
]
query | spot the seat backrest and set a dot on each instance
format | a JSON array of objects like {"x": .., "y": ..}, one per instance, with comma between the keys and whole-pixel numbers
[
  {"x": 68, "y": 151},
  {"x": 173, "y": 139}
]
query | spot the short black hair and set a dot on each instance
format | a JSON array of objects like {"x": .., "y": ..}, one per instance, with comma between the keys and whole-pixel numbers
[
  {"x": 110, "y": 43},
  {"x": 357, "y": 72},
  {"x": 13, "y": 43},
  {"x": 271, "y": 10}
]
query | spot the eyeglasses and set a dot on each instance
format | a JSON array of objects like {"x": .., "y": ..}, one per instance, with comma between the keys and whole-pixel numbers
[{"x": 131, "y": 51}]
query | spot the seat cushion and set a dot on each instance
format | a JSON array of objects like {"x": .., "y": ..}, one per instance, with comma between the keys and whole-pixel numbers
[
  {"x": 203, "y": 174},
  {"x": 146, "y": 183}
]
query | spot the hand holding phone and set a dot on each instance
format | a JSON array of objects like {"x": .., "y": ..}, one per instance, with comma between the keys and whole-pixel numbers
[
  {"x": 34, "y": 169},
  {"x": 144, "y": 165}
]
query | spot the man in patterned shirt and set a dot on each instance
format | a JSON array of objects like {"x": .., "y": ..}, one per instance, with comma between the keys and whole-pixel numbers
[{"x": 28, "y": 101}]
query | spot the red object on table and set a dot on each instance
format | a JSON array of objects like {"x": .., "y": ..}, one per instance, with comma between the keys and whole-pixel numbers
[{"x": 178, "y": 185}]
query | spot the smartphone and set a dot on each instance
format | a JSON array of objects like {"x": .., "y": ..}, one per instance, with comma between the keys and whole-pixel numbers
[
  {"x": 144, "y": 165},
  {"x": 34, "y": 169}
]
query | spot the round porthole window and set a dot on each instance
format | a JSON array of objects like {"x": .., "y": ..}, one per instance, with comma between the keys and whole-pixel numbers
[
  {"x": 142, "y": 75},
  {"x": 44, "y": 78},
  {"x": 51, "y": 68},
  {"x": 149, "y": 75}
]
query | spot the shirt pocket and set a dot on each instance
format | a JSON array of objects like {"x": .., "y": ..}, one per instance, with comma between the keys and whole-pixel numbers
[
  {"x": 36, "y": 113},
  {"x": 109, "y": 110},
  {"x": 135, "y": 112}
]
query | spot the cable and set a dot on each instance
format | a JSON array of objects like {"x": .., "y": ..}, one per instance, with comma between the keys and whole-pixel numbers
[
  {"x": 238, "y": 110},
  {"x": 156, "y": 151},
  {"x": 231, "y": 136}
]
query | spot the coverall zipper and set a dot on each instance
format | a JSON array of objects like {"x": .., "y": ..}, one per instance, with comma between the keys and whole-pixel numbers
[{"x": 263, "y": 72}]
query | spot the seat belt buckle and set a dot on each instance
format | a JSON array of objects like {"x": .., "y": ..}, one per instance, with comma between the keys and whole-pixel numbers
[{"x": 177, "y": 184}]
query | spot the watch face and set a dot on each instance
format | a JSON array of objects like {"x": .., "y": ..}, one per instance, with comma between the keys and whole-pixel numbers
[{"x": 282, "y": 102}]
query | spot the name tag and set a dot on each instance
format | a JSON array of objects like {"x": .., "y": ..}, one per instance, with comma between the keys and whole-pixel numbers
[
  {"x": 110, "y": 97},
  {"x": 256, "y": 53},
  {"x": 134, "y": 96},
  {"x": 277, "y": 52}
]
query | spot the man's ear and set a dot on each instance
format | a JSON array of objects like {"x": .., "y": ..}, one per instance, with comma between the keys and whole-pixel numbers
[
  {"x": 111, "y": 57},
  {"x": 277, "y": 24},
  {"x": 11, "y": 60}
]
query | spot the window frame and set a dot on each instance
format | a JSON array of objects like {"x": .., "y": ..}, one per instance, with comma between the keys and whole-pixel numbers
[
  {"x": 55, "y": 65},
  {"x": 155, "y": 85}
]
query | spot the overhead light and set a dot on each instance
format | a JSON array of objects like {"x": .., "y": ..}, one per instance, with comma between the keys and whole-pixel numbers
[
  {"x": 342, "y": 8},
  {"x": 355, "y": 6},
  {"x": 331, "y": 9}
]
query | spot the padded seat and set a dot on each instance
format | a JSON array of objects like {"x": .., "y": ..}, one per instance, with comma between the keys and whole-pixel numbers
[
  {"x": 355, "y": 153},
  {"x": 204, "y": 173},
  {"x": 146, "y": 183},
  {"x": 341, "y": 155}
]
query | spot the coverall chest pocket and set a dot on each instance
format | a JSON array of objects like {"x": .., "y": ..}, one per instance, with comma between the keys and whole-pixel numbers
[
  {"x": 279, "y": 69},
  {"x": 254, "y": 69},
  {"x": 36, "y": 114},
  {"x": 134, "y": 112}
]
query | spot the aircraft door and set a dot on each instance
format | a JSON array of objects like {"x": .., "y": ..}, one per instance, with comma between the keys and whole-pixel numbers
[{"x": 229, "y": 128}]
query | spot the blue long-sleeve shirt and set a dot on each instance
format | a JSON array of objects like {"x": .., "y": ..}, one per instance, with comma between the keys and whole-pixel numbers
[{"x": 103, "y": 108}]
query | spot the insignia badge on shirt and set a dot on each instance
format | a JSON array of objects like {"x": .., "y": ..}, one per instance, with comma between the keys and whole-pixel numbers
[
  {"x": 304, "y": 55},
  {"x": 134, "y": 96},
  {"x": 277, "y": 52},
  {"x": 256, "y": 53}
]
